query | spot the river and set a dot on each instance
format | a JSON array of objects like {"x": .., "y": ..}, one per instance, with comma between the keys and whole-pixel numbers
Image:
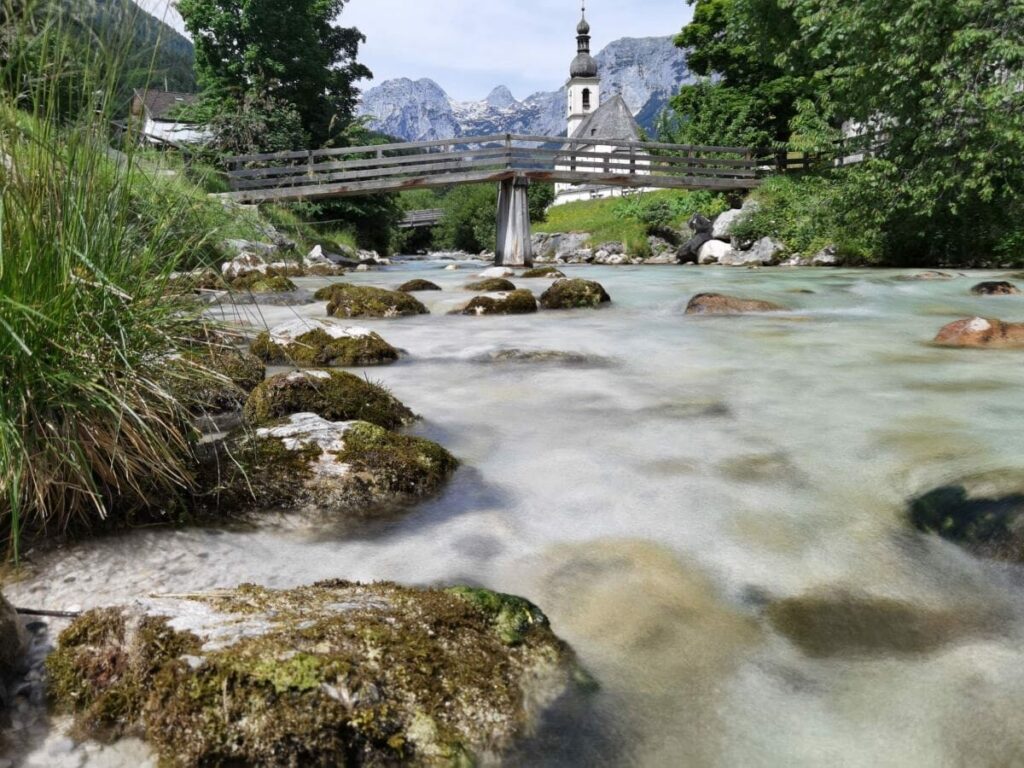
[{"x": 655, "y": 494}]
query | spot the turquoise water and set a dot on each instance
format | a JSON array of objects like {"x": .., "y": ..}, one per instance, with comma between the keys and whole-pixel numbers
[{"x": 656, "y": 496}]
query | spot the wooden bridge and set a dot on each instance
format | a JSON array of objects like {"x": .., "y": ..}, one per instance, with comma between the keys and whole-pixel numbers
[
  {"x": 430, "y": 217},
  {"x": 511, "y": 160}
]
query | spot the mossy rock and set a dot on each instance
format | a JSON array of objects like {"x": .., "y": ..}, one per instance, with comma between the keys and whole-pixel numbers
[
  {"x": 720, "y": 304},
  {"x": 215, "y": 378},
  {"x": 333, "y": 395},
  {"x": 313, "y": 344},
  {"x": 574, "y": 294},
  {"x": 256, "y": 282},
  {"x": 349, "y": 470},
  {"x": 336, "y": 673},
  {"x": 995, "y": 288},
  {"x": 325, "y": 270},
  {"x": 515, "y": 303},
  {"x": 492, "y": 285},
  {"x": 416, "y": 286},
  {"x": 13, "y": 642},
  {"x": 551, "y": 272},
  {"x": 345, "y": 300},
  {"x": 983, "y": 514},
  {"x": 207, "y": 279}
]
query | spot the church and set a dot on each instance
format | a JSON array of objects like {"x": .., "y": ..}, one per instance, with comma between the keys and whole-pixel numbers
[{"x": 591, "y": 118}]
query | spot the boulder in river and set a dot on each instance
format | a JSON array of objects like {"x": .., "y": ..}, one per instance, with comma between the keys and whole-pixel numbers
[
  {"x": 216, "y": 378},
  {"x": 316, "y": 344},
  {"x": 346, "y": 470},
  {"x": 719, "y": 304},
  {"x": 333, "y": 395},
  {"x": 981, "y": 332},
  {"x": 984, "y": 514},
  {"x": 337, "y": 673},
  {"x": 995, "y": 288},
  {"x": 346, "y": 300},
  {"x": 831, "y": 624},
  {"x": 549, "y": 272},
  {"x": 491, "y": 285},
  {"x": 930, "y": 276},
  {"x": 723, "y": 224},
  {"x": 418, "y": 285},
  {"x": 574, "y": 294},
  {"x": 515, "y": 303}
]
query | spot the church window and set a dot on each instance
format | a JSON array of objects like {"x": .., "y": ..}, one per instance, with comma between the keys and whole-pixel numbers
[{"x": 586, "y": 99}]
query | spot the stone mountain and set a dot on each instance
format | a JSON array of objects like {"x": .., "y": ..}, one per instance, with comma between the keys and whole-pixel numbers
[{"x": 647, "y": 72}]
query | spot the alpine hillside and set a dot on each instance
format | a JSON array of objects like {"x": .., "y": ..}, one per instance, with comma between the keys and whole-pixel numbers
[{"x": 647, "y": 72}]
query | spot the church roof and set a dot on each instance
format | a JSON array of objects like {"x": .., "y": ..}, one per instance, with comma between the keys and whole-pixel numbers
[{"x": 612, "y": 120}]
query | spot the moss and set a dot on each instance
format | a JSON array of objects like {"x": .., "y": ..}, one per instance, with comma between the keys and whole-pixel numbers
[
  {"x": 397, "y": 464},
  {"x": 414, "y": 286},
  {"x": 319, "y": 349},
  {"x": 334, "y": 395},
  {"x": 574, "y": 294},
  {"x": 338, "y": 674},
  {"x": 515, "y": 303},
  {"x": 201, "y": 280},
  {"x": 325, "y": 270},
  {"x": 512, "y": 617},
  {"x": 543, "y": 272},
  {"x": 345, "y": 300},
  {"x": 492, "y": 285},
  {"x": 215, "y": 378},
  {"x": 256, "y": 282}
]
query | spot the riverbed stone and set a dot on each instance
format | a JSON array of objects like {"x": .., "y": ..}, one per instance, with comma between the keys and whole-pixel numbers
[
  {"x": 765, "y": 252},
  {"x": 520, "y": 302},
  {"x": 995, "y": 288},
  {"x": 418, "y": 285},
  {"x": 930, "y": 276},
  {"x": 842, "y": 624},
  {"x": 333, "y": 395},
  {"x": 538, "y": 272},
  {"x": 262, "y": 282},
  {"x": 980, "y": 332},
  {"x": 712, "y": 252},
  {"x": 983, "y": 513},
  {"x": 497, "y": 272},
  {"x": 327, "y": 471},
  {"x": 492, "y": 285},
  {"x": 720, "y": 304},
  {"x": 336, "y": 673},
  {"x": 316, "y": 344},
  {"x": 346, "y": 300},
  {"x": 574, "y": 294}
]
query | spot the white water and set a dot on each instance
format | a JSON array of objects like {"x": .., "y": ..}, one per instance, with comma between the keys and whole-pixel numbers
[{"x": 651, "y": 504}]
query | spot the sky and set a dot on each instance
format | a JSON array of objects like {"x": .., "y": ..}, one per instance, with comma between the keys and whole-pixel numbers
[{"x": 470, "y": 46}]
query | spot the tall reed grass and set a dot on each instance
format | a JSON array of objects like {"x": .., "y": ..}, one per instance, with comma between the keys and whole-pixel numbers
[{"x": 89, "y": 432}]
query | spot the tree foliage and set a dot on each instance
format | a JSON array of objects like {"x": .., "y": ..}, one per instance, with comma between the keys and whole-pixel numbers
[
  {"x": 939, "y": 82},
  {"x": 286, "y": 50}
]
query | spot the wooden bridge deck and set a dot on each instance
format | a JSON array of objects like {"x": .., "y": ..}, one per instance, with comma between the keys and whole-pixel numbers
[{"x": 349, "y": 171}]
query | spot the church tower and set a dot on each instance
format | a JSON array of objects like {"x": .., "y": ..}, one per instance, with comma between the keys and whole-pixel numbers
[{"x": 584, "y": 84}]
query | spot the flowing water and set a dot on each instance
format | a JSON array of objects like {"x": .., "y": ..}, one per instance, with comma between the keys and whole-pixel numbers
[{"x": 656, "y": 493}]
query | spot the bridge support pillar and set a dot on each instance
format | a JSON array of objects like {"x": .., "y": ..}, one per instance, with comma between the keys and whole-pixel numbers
[{"x": 514, "y": 248}]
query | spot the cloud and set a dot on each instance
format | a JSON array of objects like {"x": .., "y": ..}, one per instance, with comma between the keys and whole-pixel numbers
[{"x": 470, "y": 46}]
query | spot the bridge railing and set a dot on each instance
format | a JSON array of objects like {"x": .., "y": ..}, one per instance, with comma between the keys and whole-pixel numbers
[{"x": 410, "y": 165}]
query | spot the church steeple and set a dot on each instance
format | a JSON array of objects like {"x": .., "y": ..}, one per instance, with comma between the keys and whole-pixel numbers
[{"x": 584, "y": 83}]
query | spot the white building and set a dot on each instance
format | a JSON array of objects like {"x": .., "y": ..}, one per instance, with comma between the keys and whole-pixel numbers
[
  {"x": 590, "y": 118},
  {"x": 157, "y": 109}
]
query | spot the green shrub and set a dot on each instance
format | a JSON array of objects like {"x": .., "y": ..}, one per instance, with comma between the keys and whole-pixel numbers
[{"x": 89, "y": 434}]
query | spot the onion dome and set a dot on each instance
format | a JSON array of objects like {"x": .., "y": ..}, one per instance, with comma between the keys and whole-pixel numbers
[{"x": 584, "y": 65}]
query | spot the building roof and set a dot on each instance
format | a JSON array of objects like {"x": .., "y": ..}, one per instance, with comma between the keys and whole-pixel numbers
[
  {"x": 612, "y": 120},
  {"x": 159, "y": 104}
]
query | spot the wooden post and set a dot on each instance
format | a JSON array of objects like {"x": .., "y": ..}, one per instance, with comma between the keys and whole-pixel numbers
[{"x": 514, "y": 248}]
